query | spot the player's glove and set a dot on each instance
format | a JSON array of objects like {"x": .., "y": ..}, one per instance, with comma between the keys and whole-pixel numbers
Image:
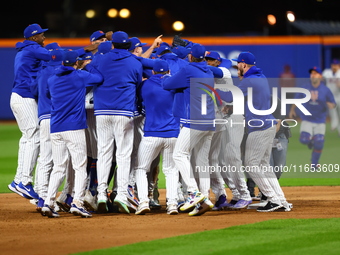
[{"x": 178, "y": 41}]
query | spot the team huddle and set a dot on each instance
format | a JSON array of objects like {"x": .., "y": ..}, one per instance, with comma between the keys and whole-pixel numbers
[{"x": 110, "y": 112}]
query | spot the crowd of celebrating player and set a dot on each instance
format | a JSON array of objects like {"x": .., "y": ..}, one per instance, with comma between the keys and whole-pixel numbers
[{"x": 110, "y": 112}]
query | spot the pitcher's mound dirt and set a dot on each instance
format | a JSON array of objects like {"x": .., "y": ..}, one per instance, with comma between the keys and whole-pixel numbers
[{"x": 24, "y": 231}]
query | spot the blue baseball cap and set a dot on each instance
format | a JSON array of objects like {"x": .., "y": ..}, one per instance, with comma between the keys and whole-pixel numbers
[
  {"x": 70, "y": 57},
  {"x": 181, "y": 51},
  {"x": 57, "y": 56},
  {"x": 198, "y": 51},
  {"x": 135, "y": 42},
  {"x": 160, "y": 66},
  {"x": 120, "y": 37},
  {"x": 215, "y": 55},
  {"x": 246, "y": 57},
  {"x": 315, "y": 68},
  {"x": 33, "y": 29},
  {"x": 53, "y": 46},
  {"x": 104, "y": 47},
  {"x": 86, "y": 56},
  {"x": 163, "y": 47},
  {"x": 97, "y": 35}
]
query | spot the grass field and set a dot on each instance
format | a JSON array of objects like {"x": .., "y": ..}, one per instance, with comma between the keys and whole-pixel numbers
[
  {"x": 294, "y": 236},
  {"x": 280, "y": 237}
]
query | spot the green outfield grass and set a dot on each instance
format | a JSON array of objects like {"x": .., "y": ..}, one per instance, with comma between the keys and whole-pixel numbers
[
  {"x": 280, "y": 237},
  {"x": 298, "y": 155}
]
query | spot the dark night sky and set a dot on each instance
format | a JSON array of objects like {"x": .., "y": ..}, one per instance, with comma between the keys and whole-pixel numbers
[{"x": 201, "y": 19}]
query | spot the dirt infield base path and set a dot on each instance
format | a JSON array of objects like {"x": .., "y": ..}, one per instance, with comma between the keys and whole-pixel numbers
[{"x": 24, "y": 231}]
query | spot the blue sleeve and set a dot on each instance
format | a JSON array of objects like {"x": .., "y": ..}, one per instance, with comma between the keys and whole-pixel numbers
[
  {"x": 217, "y": 72},
  {"x": 177, "y": 81},
  {"x": 43, "y": 54},
  {"x": 146, "y": 62},
  {"x": 91, "y": 79},
  {"x": 226, "y": 96}
]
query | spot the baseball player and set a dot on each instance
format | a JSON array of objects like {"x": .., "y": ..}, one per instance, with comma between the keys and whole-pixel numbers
[
  {"x": 175, "y": 63},
  {"x": 68, "y": 123},
  {"x": 91, "y": 137},
  {"x": 114, "y": 107},
  {"x": 332, "y": 79},
  {"x": 160, "y": 134},
  {"x": 233, "y": 138},
  {"x": 260, "y": 134},
  {"x": 28, "y": 61},
  {"x": 39, "y": 88},
  {"x": 196, "y": 126},
  {"x": 313, "y": 127}
]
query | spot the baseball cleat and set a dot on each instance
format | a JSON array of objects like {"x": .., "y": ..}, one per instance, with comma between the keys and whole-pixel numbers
[
  {"x": 192, "y": 200},
  {"x": 90, "y": 201},
  {"x": 221, "y": 200},
  {"x": 49, "y": 212},
  {"x": 172, "y": 209},
  {"x": 143, "y": 208},
  {"x": 78, "y": 210},
  {"x": 242, "y": 204},
  {"x": 122, "y": 206},
  {"x": 65, "y": 205},
  {"x": 154, "y": 205},
  {"x": 27, "y": 190},
  {"x": 13, "y": 187},
  {"x": 102, "y": 203},
  {"x": 228, "y": 206},
  {"x": 269, "y": 207},
  {"x": 202, "y": 208}
]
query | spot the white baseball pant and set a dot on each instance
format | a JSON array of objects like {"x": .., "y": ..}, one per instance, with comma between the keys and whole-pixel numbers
[
  {"x": 149, "y": 149},
  {"x": 25, "y": 111},
  {"x": 68, "y": 146},
  {"x": 186, "y": 141},
  {"x": 257, "y": 156},
  {"x": 118, "y": 129}
]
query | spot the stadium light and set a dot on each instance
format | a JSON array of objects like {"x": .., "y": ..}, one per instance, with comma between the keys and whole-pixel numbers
[
  {"x": 112, "y": 13},
  {"x": 124, "y": 13},
  {"x": 271, "y": 19},
  {"x": 178, "y": 26}
]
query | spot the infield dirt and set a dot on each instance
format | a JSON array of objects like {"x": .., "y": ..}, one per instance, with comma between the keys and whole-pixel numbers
[{"x": 25, "y": 231}]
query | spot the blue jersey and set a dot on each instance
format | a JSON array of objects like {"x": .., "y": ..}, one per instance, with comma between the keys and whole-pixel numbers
[
  {"x": 255, "y": 79},
  {"x": 67, "y": 89},
  {"x": 196, "y": 82},
  {"x": 317, "y": 105},
  {"x": 175, "y": 64},
  {"x": 122, "y": 75},
  {"x": 28, "y": 61},
  {"x": 39, "y": 89},
  {"x": 159, "y": 120}
]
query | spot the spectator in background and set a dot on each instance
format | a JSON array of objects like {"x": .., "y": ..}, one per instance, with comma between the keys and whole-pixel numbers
[{"x": 332, "y": 79}]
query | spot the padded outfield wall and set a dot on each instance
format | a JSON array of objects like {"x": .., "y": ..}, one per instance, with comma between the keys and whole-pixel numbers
[{"x": 272, "y": 53}]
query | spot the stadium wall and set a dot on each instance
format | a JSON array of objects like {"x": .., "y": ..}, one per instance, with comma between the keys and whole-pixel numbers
[{"x": 272, "y": 53}]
